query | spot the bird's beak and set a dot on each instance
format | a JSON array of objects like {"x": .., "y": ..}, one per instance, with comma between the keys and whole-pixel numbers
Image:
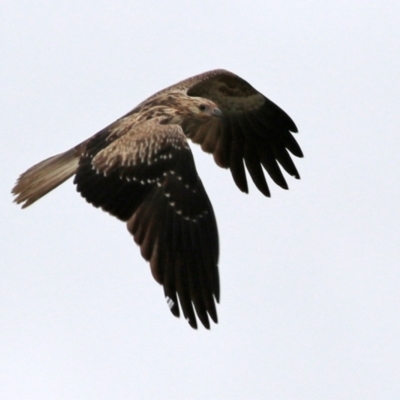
[{"x": 217, "y": 112}]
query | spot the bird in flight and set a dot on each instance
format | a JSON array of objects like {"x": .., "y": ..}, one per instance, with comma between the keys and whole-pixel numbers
[{"x": 140, "y": 169}]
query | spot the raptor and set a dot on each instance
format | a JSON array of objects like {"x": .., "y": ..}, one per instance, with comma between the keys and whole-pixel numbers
[{"x": 140, "y": 169}]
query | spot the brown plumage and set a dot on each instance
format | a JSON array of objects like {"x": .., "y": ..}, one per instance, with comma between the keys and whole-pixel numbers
[{"x": 141, "y": 170}]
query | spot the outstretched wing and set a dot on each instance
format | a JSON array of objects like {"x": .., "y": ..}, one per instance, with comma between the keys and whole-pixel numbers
[
  {"x": 148, "y": 178},
  {"x": 253, "y": 130}
]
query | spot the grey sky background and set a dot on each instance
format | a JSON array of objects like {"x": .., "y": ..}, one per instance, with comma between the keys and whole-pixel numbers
[{"x": 310, "y": 301}]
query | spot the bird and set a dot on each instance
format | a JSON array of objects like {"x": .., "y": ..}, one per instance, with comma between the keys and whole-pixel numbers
[{"x": 141, "y": 170}]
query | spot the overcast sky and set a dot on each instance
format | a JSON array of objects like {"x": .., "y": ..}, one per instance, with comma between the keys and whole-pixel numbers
[{"x": 310, "y": 278}]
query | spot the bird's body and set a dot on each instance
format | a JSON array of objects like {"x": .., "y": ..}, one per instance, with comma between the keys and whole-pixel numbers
[{"x": 141, "y": 170}]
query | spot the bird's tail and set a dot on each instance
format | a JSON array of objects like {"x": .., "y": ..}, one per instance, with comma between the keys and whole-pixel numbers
[{"x": 45, "y": 176}]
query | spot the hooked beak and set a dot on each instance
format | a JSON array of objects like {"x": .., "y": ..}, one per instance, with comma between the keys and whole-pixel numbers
[{"x": 217, "y": 112}]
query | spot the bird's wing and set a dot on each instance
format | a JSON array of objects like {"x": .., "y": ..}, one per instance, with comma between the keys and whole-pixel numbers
[
  {"x": 148, "y": 178},
  {"x": 253, "y": 130}
]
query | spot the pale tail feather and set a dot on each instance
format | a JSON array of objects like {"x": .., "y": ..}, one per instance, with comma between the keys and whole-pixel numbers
[{"x": 45, "y": 176}]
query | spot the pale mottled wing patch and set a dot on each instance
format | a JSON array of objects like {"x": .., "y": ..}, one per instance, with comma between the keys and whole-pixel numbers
[
  {"x": 148, "y": 144},
  {"x": 147, "y": 177}
]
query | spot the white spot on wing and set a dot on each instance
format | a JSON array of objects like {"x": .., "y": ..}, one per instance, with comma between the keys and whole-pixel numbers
[{"x": 170, "y": 302}]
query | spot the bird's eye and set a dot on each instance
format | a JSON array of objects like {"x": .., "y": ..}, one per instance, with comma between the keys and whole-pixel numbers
[{"x": 202, "y": 107}]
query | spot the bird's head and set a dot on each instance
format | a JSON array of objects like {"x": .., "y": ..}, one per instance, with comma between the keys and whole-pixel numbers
[
  {"x": 200, "y": 108},
  {"x": 181, "y": 109},
  {"x": 197, "y": 111}
]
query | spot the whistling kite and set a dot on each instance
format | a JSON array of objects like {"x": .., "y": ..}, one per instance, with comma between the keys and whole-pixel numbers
[{"x": 141, "y": 170}]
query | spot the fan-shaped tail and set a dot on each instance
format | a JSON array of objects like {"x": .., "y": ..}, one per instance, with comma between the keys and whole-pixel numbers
[{"x": 45, "y": 176}]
